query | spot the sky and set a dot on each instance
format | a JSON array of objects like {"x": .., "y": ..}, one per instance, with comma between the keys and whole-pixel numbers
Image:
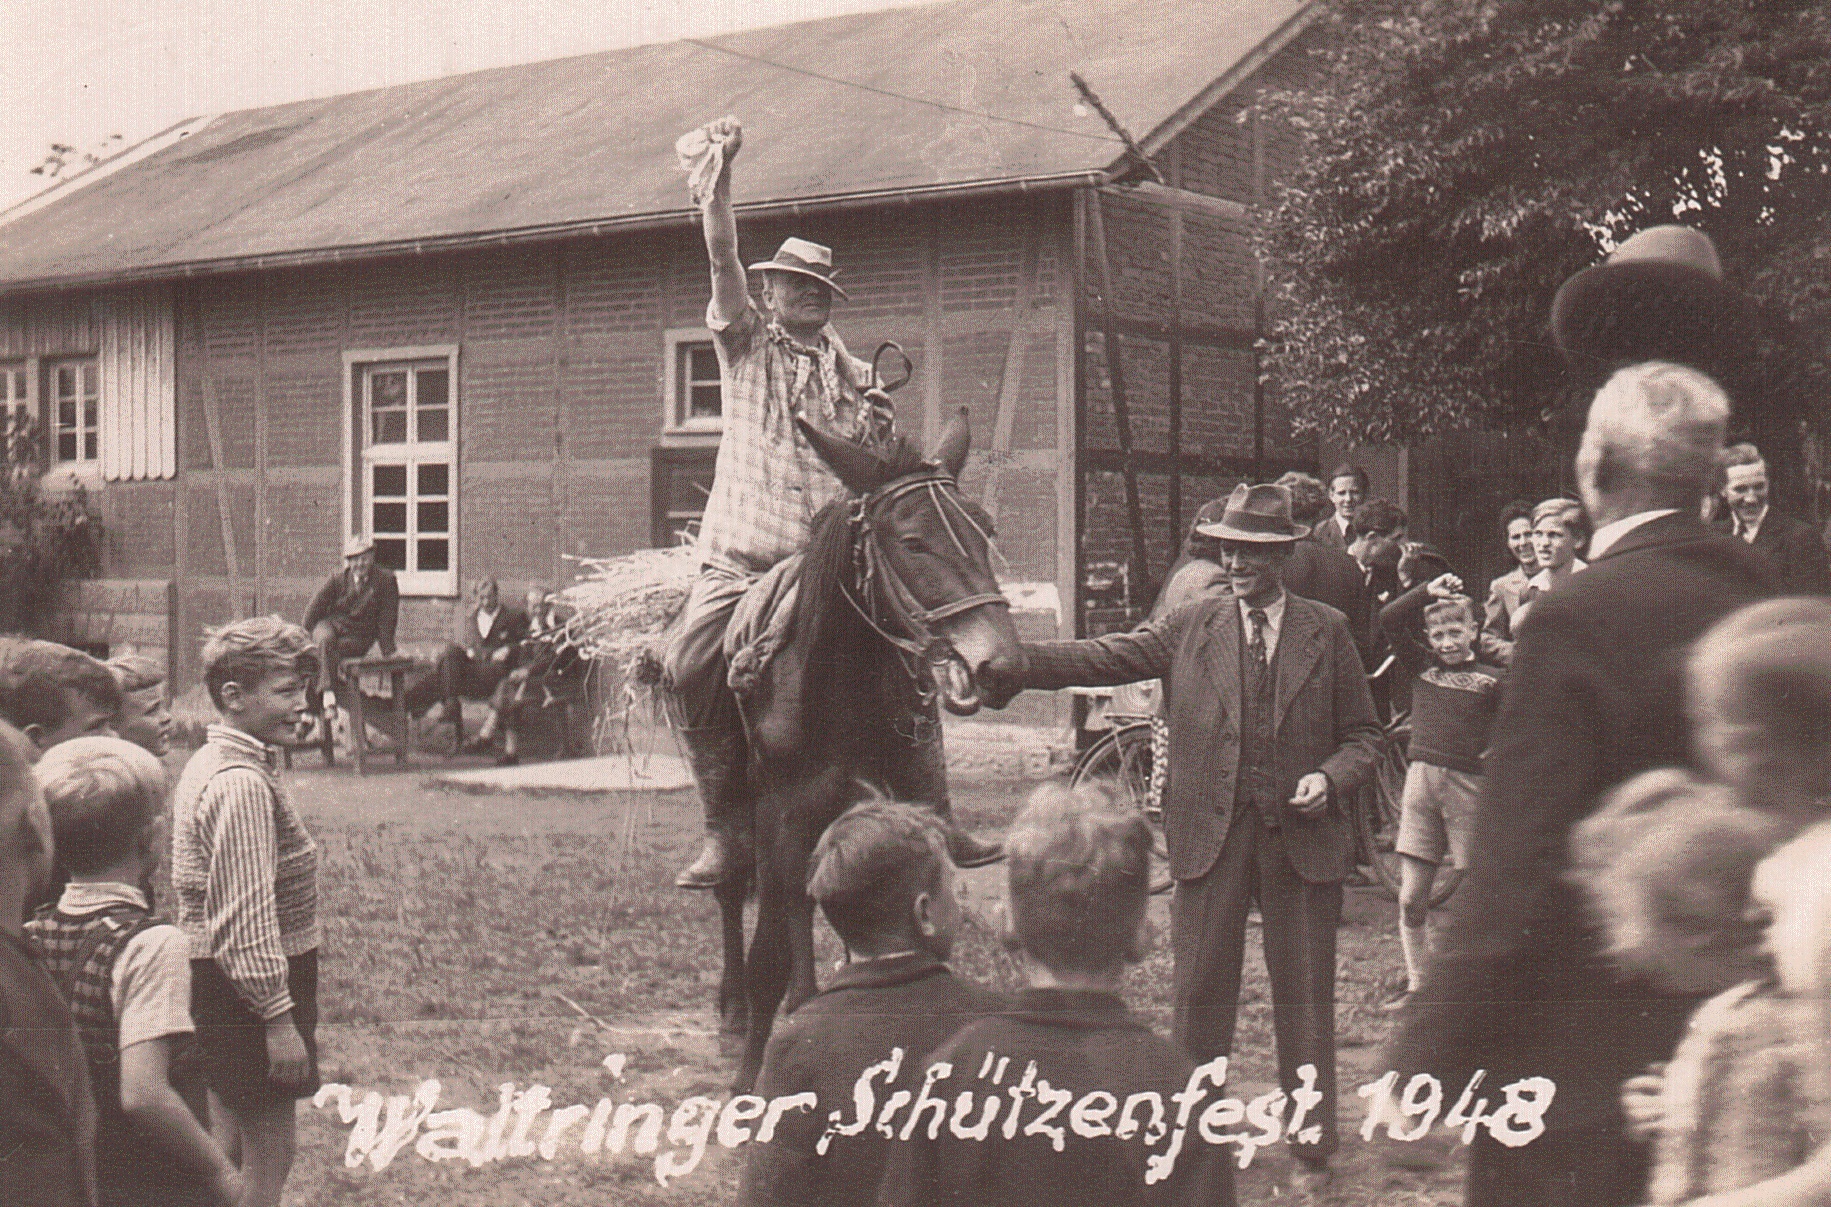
[{"x": 81, "y": 72}]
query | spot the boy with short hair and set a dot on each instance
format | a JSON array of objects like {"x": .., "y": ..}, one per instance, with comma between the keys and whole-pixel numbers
[
  {"x": 245, "y": 873},
  {"x": 126, "y": 976},
  {"x": 1454, "y": 701},
  {"x": 882, "y": 877},
  {"x": 1078, "y": 869},
  {"x": 47, "y": 1118},
  {"x": 146, "y": 715},
  {"x": 52, "y": 693}
]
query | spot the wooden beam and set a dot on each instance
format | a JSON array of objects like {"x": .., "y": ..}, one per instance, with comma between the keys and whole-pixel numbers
[
  {"x": 1187, "y": 200},
  {"x": 1010, "y": 380},
  {"x": 213, "y": 427},
  {"x": 1122, "y": 416}
]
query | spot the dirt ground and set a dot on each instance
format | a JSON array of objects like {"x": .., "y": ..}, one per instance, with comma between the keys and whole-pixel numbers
[{"x": 508, "y": 939}]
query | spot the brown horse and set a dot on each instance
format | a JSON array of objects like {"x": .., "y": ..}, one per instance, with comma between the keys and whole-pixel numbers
[{"x": 897, "y": 610}]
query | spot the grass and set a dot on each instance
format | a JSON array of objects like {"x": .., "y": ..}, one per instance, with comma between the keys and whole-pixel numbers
[{"x": 466, "y": 938}]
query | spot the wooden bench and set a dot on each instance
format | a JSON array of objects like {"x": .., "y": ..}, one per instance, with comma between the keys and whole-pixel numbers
[{"x": 349, "y": 695}]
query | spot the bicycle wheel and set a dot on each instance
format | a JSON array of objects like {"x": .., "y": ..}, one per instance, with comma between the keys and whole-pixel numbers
[
  {"x": 1377, "y": 821},
  {"x": 1121, "y": 761}
]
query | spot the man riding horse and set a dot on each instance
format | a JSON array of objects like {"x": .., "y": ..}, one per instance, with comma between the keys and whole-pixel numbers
[{"x": 776, "y": 364}]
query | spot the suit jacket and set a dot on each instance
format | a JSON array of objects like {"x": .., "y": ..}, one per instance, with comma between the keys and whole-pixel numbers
[
  {"x": 1794, "y": 548},
  {"x": 911, "y": 1002},
  {"x": 47, "y": 1119},
  {"x": 1505, "y": 594},
  {"x": 1324, "y": 573},
  {"x": 509, "y": 629},
  {"x": 1323, "y": 721},
  {"x": 1328, "y": 533},
  {"x": 1595, "y": 695},
  {"x": 370, "y": 610}
]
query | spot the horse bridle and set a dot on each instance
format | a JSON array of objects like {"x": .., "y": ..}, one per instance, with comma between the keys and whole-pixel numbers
[{"x": 878, "y": 583}]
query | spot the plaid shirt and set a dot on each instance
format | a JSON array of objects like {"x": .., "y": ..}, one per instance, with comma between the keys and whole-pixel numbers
[{"x": 769, "y": 481}]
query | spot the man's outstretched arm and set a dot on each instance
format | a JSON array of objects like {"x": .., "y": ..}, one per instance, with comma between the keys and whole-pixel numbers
[{"x": 730, "y": 288}]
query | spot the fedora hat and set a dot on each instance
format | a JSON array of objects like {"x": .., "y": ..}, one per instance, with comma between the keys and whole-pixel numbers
[
  {"x": 1256, "y": 513},
  {"x": 805, "y": 259},
  {"x": 356, "y": 546},
  {"x": 1659, "y": 296}
]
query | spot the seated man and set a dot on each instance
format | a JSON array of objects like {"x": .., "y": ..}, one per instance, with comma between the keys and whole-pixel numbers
[
  {"x": 470, "y": 668},
  {"x": 355, "y": 609},
  {"x": 546, "y": 671}
]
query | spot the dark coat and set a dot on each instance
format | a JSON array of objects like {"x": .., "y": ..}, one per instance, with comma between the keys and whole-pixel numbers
[
  {"x": 47, "y": 1119},
  {"x": 1080, "y": 1041},
  {"x": 1794, "y": 548},
  {"x": 1595, "y": 695},
  {"x": 1324, "y": 721},
  {"x": 510, "y": 629},
  {"x": 366, "y": 613},
  {"x": 912, "y": 1002},
  {"x": 1328, "y": 533},
  {"x": 1322, "y": 572}
]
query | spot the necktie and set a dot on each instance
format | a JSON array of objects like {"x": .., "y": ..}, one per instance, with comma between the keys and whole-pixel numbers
[{"x": 1255, "y": 638}]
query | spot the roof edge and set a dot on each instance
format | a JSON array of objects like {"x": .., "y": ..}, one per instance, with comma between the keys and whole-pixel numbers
[
  {"x": 125, "y": 157},
  {"x": 1090, "y": 177},
  {"x": 1234, "y": 76}
]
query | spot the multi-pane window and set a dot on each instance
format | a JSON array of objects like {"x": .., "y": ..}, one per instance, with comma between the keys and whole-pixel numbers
[
  {"x": 695, "y": 399},
  {"x": 74, "y": 406},
  {"x": 16, "y": 408},
  {"x": 409, "y": 468}
]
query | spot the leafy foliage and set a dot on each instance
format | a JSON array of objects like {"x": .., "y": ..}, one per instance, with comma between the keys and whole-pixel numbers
[
  {"x": 1461, "y": 158},
  {"x": 48, "y": 536}
]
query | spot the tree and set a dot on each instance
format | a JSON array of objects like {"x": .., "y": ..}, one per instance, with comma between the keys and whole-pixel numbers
[
  {"x": 1461, "y": 158},
  {"x": 48, "y": 536}
]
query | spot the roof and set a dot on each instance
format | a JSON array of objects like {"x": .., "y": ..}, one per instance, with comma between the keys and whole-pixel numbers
[{"x": 939, "y": 98}]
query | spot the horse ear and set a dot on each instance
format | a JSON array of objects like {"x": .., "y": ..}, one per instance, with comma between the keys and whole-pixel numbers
[
  {"x": 956, "y": 438},
  {"x": 861, "y": 472}
]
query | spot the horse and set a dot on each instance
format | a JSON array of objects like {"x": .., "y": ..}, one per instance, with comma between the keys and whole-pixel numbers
[{"x": 897, "y": 609}]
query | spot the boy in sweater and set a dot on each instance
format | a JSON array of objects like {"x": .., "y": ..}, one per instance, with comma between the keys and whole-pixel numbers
[
  {"x": 245, "y": 873},
  {"x": 1079, "y": 869},
  {"x": 1454, "y": 700},
  {"x": 126, "y": 976},
  {"x": 882, "y": 876}
]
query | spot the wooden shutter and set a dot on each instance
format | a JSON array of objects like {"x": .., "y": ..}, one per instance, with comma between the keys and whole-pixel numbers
[{"x": 139, "y": 413}]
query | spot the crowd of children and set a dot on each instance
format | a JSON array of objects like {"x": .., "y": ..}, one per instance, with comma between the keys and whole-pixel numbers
[{"x": 149, "y": 1064}]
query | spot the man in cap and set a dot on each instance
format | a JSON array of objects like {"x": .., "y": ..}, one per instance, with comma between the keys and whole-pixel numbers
[
  {"x": 778, "y": 362},
  {"x": 356, "y": 608},
  {"x": 1271, "y": 733}
]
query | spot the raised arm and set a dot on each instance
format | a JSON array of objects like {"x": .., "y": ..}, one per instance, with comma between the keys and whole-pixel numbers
[{"x": 730, "y": 288}]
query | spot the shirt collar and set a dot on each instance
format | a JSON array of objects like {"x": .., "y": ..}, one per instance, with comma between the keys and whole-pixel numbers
[
  {"x": 85, "y": 897},
  {"x": 1274, "y": 612},
  {"x": 247, "y": 743},
  {"x": 890, "y": 970},
  {"x": 1609, "y": 535},
  {"x": 1748, "y": 532}
]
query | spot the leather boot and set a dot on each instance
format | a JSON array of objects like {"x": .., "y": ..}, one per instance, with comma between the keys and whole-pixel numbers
[{"x": 717, "y": 756}]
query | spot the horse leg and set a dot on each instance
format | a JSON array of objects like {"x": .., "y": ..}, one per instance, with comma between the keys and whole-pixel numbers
[
  {"x": 733, "y": 1009},
  {"x": 766, "y": 969}
]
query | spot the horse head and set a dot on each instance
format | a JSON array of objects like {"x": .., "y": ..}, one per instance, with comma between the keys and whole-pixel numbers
[{"x": 928, "y": 584}]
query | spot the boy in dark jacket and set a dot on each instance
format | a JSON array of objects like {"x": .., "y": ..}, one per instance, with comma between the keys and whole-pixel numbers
[
  {"x": 992, "y": 1125},
  {"x": 882, "y": 876}
]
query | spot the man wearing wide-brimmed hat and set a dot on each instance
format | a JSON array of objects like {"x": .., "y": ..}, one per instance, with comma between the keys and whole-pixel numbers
[
  {"x": 778, "y": 362},
  {"x": 357, "y": 608},
  {"x": 1271, "y": 733}
]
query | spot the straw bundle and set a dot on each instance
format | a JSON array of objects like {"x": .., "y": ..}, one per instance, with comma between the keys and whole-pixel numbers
[{"x": 621, "y": 605}]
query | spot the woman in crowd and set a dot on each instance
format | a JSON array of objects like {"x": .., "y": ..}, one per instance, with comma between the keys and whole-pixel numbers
[{"x": 1508, "y": 591}]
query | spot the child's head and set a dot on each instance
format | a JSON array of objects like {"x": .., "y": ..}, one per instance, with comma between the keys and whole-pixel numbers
[
  {"x": 106, "y": 797},
  {"x": 1079, "y": 877},
  {"x": 1419, "y": 563},
  {"x": 1793, "y": 889},
  {"x": 257, "y": 672},
  {"x": 25, "y": 830},
  {"x": 1560, "y": 530},
  {"x": 1759, "y": 693},
  {"x": 146, "y": 717},
  {"x": 52, "y": 693},
  {"x": 1450, "y": 627},
  {"x": 882, "y": 878},
  {"x": 1666, "y": 863}
]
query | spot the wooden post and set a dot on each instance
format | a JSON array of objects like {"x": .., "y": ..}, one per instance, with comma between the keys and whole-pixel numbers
[
  {"x": 1011, "y": 380},
  {"x": 1122, "y": 416},
  {"x": 213, "y": 427}
]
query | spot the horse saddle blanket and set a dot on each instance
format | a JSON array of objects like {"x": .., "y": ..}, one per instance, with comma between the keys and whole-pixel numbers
[{"x": 761, "y": 624}]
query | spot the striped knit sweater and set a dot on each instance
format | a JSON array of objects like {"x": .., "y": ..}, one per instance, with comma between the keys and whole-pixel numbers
[{"x": 244, "y": 870}]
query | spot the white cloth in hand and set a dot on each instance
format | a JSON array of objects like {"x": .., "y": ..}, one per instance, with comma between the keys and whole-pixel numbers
[{"x": 702, "y": 158}]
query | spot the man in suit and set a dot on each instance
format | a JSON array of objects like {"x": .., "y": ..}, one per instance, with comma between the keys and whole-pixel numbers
[
  {"x": 1271, "y": 733},
  {"x": 489, "y": 640},
  {"x": 1791, "y": 545},
  {"x": 1320, "y": 571},
  {"x": 1520, "y": 987},
  {"x": 1349, "y": 487},
  {"x": 356, "y": 608}
]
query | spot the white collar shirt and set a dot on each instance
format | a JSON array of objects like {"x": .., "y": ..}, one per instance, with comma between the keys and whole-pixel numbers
[
  {"x": 1749, "y": 532},
  {"x": 1607, "y": 536},
  {"x": 1274, "y": 622},
  {"x": 487, "y": 620}
]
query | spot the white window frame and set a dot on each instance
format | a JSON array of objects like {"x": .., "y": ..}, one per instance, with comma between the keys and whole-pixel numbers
[
  {"x": 21, "y": 373},
  {"x": 674, "y": 421},
  {"x": 86, "y": 467},
  {"x": 360, "y": 456}
]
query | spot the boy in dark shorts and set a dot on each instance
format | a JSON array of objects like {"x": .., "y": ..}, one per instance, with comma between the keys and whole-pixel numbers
[
  {"x": 1454, "y": 700},
  {"x": 245, "y": 874},
  {"x": 1079, "y": 871},
  {"x": 126, "y": 976},
  {"x": 882, "y": 877}
]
